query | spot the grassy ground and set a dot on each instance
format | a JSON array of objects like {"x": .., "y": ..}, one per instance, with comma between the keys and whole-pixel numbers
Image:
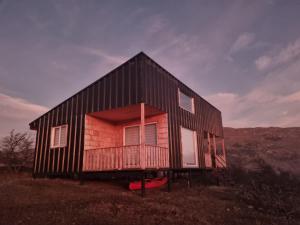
[{"x": 57, "y": 201}]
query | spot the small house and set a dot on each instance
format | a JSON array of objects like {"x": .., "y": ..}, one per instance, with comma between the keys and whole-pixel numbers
[{"x": 138, "y": 117}]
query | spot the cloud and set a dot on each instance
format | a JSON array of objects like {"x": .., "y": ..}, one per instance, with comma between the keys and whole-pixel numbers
[
  {"x": 275, "y": 101},
  {"x": 17, "y": 113},
  {"x": 284, "y": 55},
  {"x": 243, "y": 41},
  {"x": 294, "y": 97},
  {"x": 263, "y": 62},
  {"x": 245, "y": 111},
  {"x": 168, "y": 46},
  {"x": 101, "y": 53},
  {"x": 157, "y": 23}
]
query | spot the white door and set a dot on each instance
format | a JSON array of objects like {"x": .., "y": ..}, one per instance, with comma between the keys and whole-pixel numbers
[{"x": 189, "y": 148}]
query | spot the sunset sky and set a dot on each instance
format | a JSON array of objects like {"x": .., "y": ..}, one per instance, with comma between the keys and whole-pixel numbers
[{"x": 242, "y": 56}]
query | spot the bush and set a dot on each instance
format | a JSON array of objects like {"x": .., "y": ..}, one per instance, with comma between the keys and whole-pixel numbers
[
  {"x": 275, "y": 194},
  {"x": 16, "y": 150}
]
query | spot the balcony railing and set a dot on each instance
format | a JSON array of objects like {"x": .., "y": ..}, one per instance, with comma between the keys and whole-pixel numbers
[
  {"x": 220, "y": 161},
  {"x": 125, "y": 157}
]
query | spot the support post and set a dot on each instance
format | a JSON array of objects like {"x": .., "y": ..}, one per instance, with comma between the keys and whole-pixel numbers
[
  {"x": 143, "y": 184},
  {"x": 211, "y": 151},
  {"x": 215, "y": 144},
  {"x": 142, "y": 137},
  {"x": 169, "y": 180},
  {"x": 81, "y": 178},
  {"x": 189, "y": 178},
  {"x": 224, "y": 151},
  {"x": 209, "y": 141},
  {"x": 215, "y": 151}
]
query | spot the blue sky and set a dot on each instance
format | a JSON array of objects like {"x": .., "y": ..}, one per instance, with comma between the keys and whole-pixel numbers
[{"x": 242, "y": 56}]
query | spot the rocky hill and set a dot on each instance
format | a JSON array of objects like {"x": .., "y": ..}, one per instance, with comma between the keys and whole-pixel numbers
[{"x": 252, "y": 148}]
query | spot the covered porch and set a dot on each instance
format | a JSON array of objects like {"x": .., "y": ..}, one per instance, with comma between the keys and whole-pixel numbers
[
  {"x": 214, "y": 151},
  {"x": 129, "y": 138}
]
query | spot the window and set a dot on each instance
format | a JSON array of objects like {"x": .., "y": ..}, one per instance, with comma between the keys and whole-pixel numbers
[
  {"x": 189, "y": 148},
  {"x": 186, "y": 102},
  {"x": 59, "y": 136},
  {"x": 132, "y": 135},
  {"x": 150, "y": 134}
]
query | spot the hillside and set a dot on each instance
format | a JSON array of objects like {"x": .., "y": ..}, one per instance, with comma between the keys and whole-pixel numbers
[{"x": 251, "y": 148}]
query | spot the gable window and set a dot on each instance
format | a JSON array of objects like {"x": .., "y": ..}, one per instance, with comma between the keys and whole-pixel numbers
[
  {"x": 186, "y": 102},
  {"x": 59, "y": 136}
]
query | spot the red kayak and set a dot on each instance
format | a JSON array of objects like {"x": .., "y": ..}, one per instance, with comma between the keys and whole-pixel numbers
[{"x": 149, "y": 183}]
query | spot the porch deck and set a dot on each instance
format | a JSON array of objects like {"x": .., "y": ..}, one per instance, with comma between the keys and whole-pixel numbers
[{"x": 125, "y": 157}]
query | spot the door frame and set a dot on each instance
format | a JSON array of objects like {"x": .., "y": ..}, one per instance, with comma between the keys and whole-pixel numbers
[{"x": 196, "y": 165}]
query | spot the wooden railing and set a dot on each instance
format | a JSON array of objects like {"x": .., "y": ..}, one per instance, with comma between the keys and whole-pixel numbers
[
  {"x": 220, "y": 161},
  {"x": 125, "y": 157},
  {"x": 156, "y": 156}
]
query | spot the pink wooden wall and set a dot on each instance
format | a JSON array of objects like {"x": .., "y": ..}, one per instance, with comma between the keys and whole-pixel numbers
[{"x": 100, "y": 133}]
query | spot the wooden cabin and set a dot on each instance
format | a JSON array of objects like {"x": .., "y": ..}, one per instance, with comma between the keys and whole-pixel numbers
[{"x": 137, "y": 117}]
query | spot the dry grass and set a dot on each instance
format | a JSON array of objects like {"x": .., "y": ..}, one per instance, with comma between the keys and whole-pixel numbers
[
  {"x": 263, "y": 197},
  {"x": 57, "y": 201}
]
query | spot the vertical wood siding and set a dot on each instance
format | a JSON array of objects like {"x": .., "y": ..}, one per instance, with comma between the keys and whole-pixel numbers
[
  {"x": 161, "y": 91},
  {"x": 138, "y": 80},
  {"x": 119, "y": 88}
]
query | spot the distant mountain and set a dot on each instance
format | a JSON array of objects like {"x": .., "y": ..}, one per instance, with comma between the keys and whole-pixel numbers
[{"x": 251, "y": 148}]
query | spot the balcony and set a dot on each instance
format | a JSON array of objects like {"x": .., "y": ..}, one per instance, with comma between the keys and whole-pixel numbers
[
  {"x": 129, "y": 138},
  {"x": 126, "y": 158}
]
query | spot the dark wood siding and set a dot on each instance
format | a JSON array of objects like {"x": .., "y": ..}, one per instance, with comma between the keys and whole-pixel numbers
[
  {"x": 161, "y": 91},
  {"x": 118, "y": 88},
  {"x": 138, "y": 80}
]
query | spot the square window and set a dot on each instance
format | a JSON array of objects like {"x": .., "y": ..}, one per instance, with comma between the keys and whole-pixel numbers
[
  {"x": 186, "y": 102},
  {"x": 59, "y": 136}
]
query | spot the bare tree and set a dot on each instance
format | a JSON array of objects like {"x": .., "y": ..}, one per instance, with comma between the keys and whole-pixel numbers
[{"x": 16, "y": 150}]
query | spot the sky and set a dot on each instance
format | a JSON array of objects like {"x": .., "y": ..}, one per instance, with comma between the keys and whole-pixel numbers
[{"x": 242, "y": 56}]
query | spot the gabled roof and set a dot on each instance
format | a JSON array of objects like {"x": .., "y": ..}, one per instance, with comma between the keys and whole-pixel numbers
[{"x": 141, "y": 54}]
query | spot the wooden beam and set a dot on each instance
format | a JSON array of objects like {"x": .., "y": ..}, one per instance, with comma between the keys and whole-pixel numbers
[
  {"x": 215, "y": 151},
  {"x": 142, "y": 137},
  {"x": 189, "y": 178},
  {"x": 215, "y": 144},
  {"x": 169, "y": 180},
  {"x": 143, "y": 183},
  {"x": 224, "y": 151},
  {"x": 209, "y": 144}
]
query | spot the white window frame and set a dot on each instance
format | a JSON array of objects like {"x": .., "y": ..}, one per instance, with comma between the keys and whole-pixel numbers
[
  {"x": 192, "y": 99},
  {"x": 139, "y": 125},
  {"x": 184, "y": 165},
  {"x": 59, "y": 136}
]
